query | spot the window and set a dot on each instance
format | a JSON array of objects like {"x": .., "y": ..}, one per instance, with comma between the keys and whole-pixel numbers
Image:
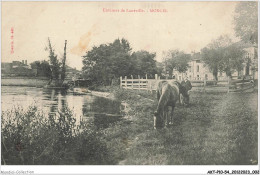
[{"x": 198, "y": 68}]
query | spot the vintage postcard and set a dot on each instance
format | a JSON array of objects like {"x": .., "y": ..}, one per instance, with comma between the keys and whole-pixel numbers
[{"x": 129, "y": 83}]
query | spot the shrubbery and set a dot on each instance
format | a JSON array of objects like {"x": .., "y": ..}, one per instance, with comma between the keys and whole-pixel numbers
[{"x": 32, "y": 138}]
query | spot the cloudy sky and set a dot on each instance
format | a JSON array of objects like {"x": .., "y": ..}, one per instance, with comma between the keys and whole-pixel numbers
[{"x": 188, "y": 26}]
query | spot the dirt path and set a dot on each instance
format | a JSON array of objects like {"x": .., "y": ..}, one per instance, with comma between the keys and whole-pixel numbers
[{"x": 233, "y": 130}]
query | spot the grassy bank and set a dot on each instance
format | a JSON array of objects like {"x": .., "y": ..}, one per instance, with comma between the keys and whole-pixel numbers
[
  {"x": 217, "y": 129},
  {"x": 30, "y": 82}
]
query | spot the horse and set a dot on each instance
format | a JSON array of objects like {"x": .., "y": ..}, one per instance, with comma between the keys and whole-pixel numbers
[{"x": 168, "y": 93}]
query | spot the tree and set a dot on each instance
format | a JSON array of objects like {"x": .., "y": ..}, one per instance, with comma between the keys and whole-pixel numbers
[
  {"x": 35, "y": 65},
  {"x": 223, "y": 55},
  {"x": 212, "y": 57},
  {"x": 54, "y": 64},
  {"x": 63, "y": 64},
  {"x": 160, "y": 69},
  {"x": 178, "y": 60},
  {"x": 246, "y": 21},
  {"x": 57, "y": 68},
  {"x": 42, "y": 67},
  {"x": 213, "y": 54},
  {"x": 46, "y": 69},
  {"x": 232, "y": 58},
  {"x": 108, "y": 61},
  {"x": 144, "y": 63}
]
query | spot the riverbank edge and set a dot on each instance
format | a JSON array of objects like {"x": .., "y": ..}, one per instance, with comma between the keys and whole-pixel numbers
[
  {"x": 25, "y": 82},
  {"x": 123, "y": 136}
]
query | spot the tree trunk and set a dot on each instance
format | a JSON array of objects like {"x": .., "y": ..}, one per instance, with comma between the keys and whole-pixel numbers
[
  {"x": 215, "y": 73},
  {"x": 63, "y": 70},
  {"x": 228, "y": 72}
]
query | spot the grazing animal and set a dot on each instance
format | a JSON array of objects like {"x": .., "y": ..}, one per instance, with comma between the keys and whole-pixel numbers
[{"x": 168, "y": 93}]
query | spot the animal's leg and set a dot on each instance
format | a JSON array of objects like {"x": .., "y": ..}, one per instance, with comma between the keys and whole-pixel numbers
[
  {"x": 171, "y": 115},
  {"x": 165, "y": 116},
  {"x": 168, "y": 119},
  {"x": 188, "y": 98},
  {"x": 181, "y": 99},
  {"x": 154, "y": 122}
]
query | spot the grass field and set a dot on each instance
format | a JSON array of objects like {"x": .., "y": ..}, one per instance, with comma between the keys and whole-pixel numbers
[{"x": 217, "y": 129}]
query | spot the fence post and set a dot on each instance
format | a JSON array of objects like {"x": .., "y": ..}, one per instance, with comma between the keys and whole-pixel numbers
[
  {"x": 228, "y": 85},
  {"x": 204, "y": 84},
  {"x": 139, "y": 82},
  {"x": 146, "y": 82},
  {"x": 126, "y": 82},
  {"x": 132, "y": 82},
  {"x": 120, "y": 81},
  {"x": 156, "y": 76}
]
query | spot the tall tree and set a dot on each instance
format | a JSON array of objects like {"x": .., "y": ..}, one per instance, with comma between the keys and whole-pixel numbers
[
  {"x": 144, "y": 63},
  {"x": 246, "y": 21},
  {"x": 178, "y": 60},
  {"x": 63, "y": 68},
  {"x": 108, "y": 61},
  {"x": 54, "y": 64},
  {"x": 232, "y": 59},
  {"x": 213, "y": 54},
  {"x": 58, "y": 69}
]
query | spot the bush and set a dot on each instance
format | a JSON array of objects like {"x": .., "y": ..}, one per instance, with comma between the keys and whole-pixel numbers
[{"x": 32, "y": 138}]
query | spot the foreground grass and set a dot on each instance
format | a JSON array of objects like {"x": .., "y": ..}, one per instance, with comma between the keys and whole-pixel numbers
[
  {"x": 217, "y": 129},
  {"x": 29, "y": 137}
]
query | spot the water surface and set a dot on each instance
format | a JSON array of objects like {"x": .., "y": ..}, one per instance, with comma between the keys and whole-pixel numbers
[{"x": 51, "y": 101}]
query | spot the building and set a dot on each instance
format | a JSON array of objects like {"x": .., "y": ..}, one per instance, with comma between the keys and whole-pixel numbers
[
  {"x": 197, "y": 70},
  {"x": 251, "y": 57},
  {"x": 21, "y": 68},
  {"x": 72, "y": 73},
  {"x": 16, "y": 68}
]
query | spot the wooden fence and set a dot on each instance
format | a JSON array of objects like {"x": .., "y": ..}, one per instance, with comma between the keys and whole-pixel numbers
[
  {"x": 140, "y": 83},
  {"x": 198, "y": 85}
]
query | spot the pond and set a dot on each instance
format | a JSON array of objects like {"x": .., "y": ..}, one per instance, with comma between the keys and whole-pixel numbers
[{"x": 52, "y": 101}]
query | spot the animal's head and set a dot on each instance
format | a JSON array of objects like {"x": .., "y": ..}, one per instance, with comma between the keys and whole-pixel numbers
[
  {"x": 184, "y": 92},
  {"x": 157, "y": 120}
]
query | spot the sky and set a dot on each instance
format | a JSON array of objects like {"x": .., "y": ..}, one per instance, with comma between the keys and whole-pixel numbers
[{"x": 187, "y": 26}]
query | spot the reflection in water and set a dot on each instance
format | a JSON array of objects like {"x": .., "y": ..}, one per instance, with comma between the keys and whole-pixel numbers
[
  {"x": 52, "y": 101},
  {"x": 104, "y": 120}
]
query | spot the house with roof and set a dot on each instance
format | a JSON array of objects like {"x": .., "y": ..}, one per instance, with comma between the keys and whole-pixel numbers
[
  {"x": 197, "y": 70},
  {"x": 16, "y": 68}
]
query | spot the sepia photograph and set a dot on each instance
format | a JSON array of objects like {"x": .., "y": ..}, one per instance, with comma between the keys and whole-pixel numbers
[{"x": 129, "y": 83}]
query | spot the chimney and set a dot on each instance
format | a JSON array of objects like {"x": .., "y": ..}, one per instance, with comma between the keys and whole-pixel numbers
[{"x": 25, "y": 62}]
